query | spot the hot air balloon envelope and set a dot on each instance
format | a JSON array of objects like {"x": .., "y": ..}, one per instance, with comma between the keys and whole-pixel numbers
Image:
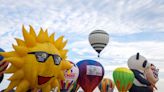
[
  {"x": 90, "y": 74},
  {"x": 123, "y": 78},
  {"x": 106, "y": 85},
  {"x": 71, "y": 76},
  {"x": 98, "y": 40}
]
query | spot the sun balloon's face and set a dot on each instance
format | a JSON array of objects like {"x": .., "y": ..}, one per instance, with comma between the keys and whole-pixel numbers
[
  {"x": 43, "y": 64},
  {"x": 37, "y": 63}
]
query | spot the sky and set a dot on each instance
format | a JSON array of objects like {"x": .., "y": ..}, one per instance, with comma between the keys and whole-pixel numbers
[{"x": 133, "y": 26}]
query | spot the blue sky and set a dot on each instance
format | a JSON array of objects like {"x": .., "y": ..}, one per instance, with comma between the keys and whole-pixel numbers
[{"x": 133, "y": 26}]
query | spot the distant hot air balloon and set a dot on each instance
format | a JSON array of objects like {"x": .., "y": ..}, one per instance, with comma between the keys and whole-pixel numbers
[
  {"x": 3, "y": 64},
  {"x": 106, "y": 85},
  {"x": 71, "y": 76},
  {"x": 98, "y": 40},
  {"x": 123, "y": 78},
  {"x": 90, "y": 74}
]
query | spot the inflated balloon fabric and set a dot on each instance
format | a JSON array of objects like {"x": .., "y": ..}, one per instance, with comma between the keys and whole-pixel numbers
[
  {"x": 90, "y": 74},
  {"x": 123, "y": 79},
  {"x": 37, "y": 62},
  {"x": 98, "y": 40},
  {"x": 71, "y": 76},
  {"x": 106, "y": 85}
]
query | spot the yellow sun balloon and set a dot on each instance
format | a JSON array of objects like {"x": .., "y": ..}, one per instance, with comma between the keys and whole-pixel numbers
[{"x": 37, "y": 62}]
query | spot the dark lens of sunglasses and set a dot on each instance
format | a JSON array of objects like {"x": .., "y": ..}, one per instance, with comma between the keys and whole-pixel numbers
[
  {"x": 57, "y": 59},
  {"x": 41, "y": 56}
]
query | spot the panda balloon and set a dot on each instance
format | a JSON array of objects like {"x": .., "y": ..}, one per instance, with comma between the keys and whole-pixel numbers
[{"x": 138, "y": 64}]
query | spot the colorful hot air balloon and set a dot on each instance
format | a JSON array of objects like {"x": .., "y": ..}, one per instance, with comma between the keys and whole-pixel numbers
[
  {"x": 123, "y": 78},
  {"x": 90, "y": 74},
  {"x": 106, "y": 85},
  {"x": 71, "y": 76},
  {"x": 98, "y": 40}
]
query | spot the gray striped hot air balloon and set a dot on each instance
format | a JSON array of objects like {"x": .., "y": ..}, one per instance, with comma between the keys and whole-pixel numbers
[{"x": 98, "y": 40}]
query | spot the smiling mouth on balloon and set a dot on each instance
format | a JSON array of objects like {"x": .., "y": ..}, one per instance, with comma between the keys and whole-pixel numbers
[{"x": 43, "y": 80}]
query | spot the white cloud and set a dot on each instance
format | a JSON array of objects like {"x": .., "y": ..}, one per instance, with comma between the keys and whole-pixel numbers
[
  {"x": 75, "y": 17},
  {"x": 134, "y": 5},
  {"x": 123, "y": 50}
]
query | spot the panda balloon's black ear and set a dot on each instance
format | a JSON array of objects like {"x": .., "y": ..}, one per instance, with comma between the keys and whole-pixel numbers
[{"x": 137, "y": 56}]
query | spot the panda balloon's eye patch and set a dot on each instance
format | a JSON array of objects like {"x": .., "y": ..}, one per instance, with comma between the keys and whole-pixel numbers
[{"x": 144, "y": 63}]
